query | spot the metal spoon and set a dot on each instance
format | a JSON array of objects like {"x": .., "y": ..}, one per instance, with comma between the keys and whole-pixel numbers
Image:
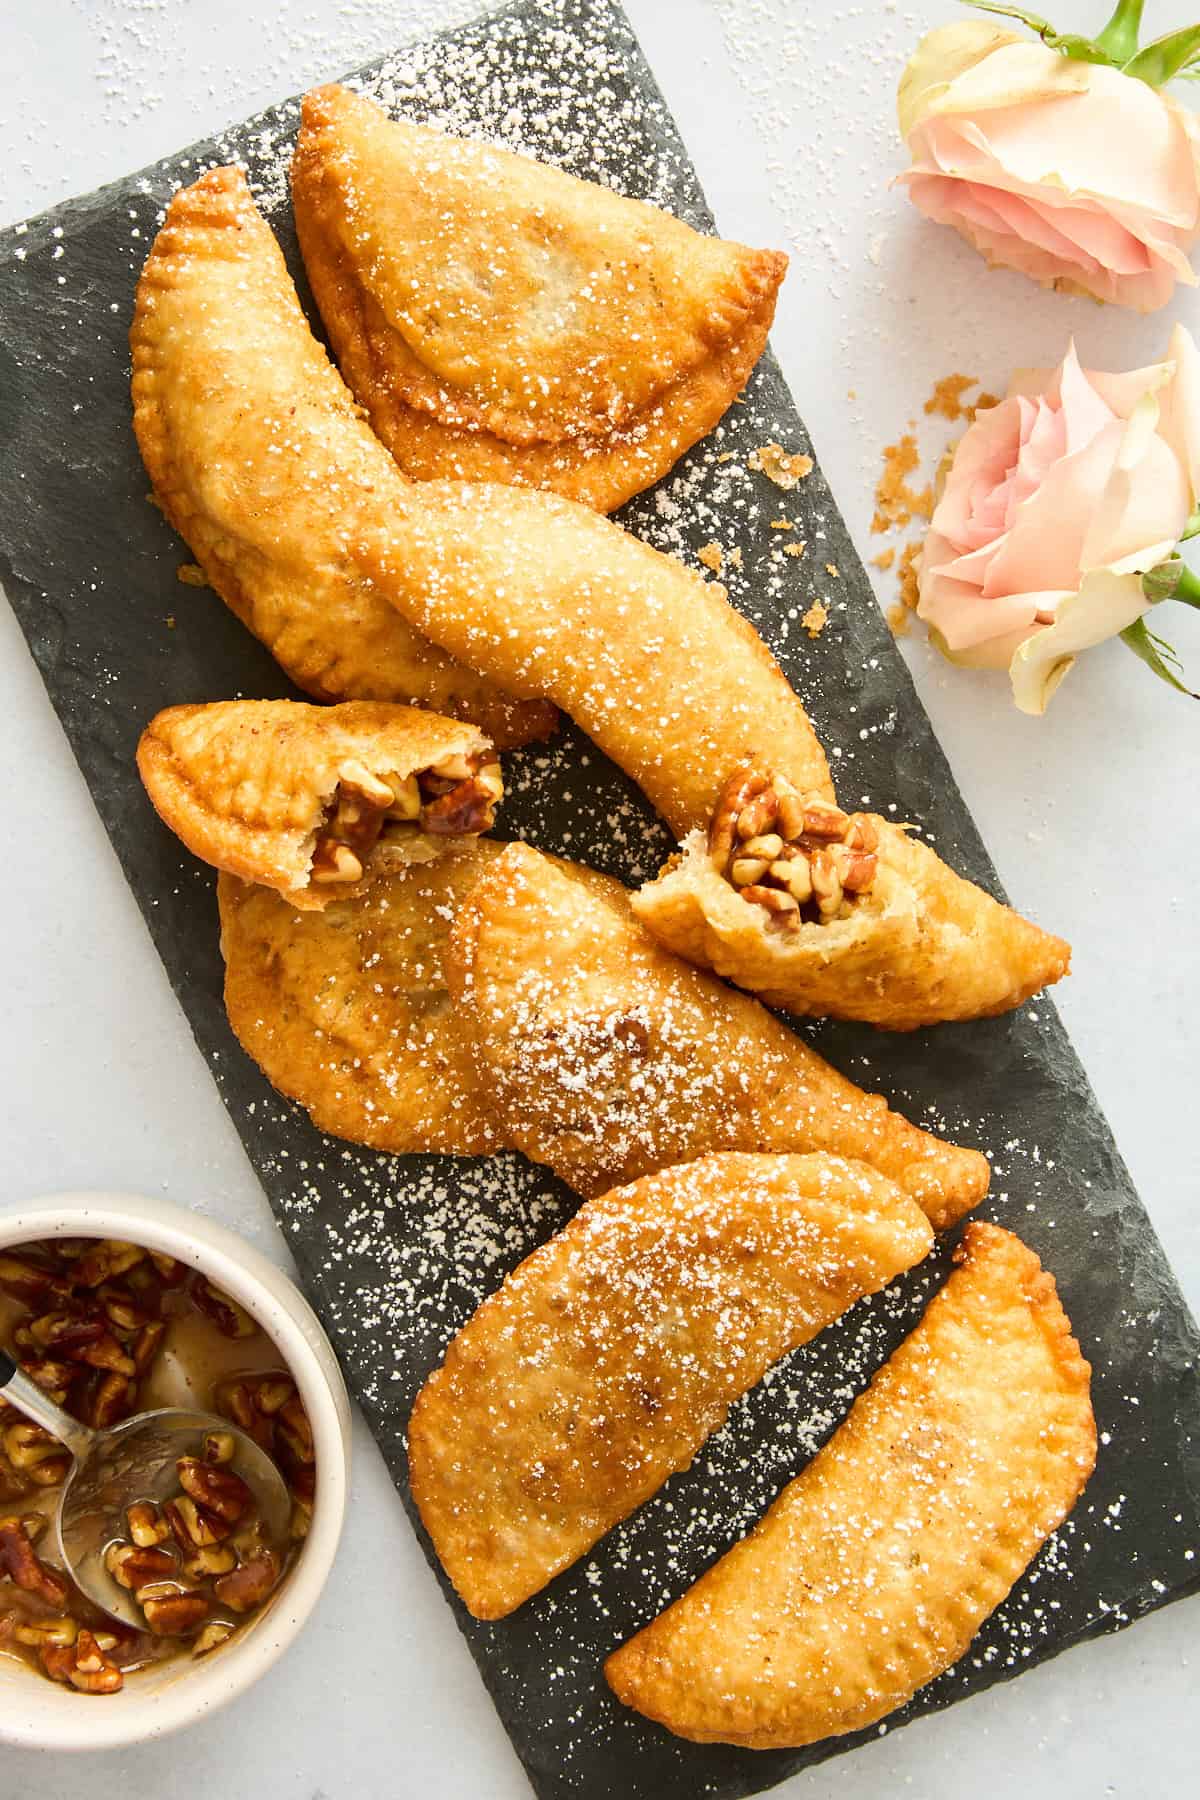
[{"x": 132, "y": 1461}]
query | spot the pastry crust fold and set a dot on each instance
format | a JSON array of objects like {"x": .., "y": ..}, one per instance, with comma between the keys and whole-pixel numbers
[
  {"x": 916, "y": 946},
  {"x": 874, "y": 1569},
  {"x": 347, "y": 1011},
  {"x": 503, "y": 321},
  {"x": 280, "y": 793},
  {"x": 261, "y": 459},
  {"x": 650, "y": 659},
  {"x": 607, "y": 1358},
  {"x": 608, "y": 1058}
]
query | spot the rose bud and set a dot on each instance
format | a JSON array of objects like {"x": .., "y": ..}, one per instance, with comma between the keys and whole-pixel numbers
[
  {"x": 1079, "y": 173},
  {"x": 1059, "y": 519}
]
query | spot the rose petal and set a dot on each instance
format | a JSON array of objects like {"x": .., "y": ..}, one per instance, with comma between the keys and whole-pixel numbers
[
  {"x": 985, "y": 453},
  {"x": 1104, "y": 606},
  {"x": 1146, "y": 500},
  {"x": 1043, "y": 548},
  {"x": 1179, "y": 403},
  {"x": 939, "y": 58}
]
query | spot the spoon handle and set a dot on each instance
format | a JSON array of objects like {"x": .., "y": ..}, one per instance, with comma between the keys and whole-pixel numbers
[{"x": 29, "y": 1399}]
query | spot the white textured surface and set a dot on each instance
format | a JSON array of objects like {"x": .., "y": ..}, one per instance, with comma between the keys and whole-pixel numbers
[{"x": 786, "y": 109}]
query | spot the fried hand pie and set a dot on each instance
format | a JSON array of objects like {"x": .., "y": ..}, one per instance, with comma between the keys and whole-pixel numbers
[
  {"x": 845, "y": 915},
  {"x": 347, "y": 1010},
  {"x": 317, "y": 801},
  {"x": 875, "y": 1568},
  {"x": 608, "y": 1357},
  {"x": 503, "y": 321},
  {"x": 608, "y": 1058},
  {"x": 261, "y": 459},
  {"x": 650, "y": 659}
]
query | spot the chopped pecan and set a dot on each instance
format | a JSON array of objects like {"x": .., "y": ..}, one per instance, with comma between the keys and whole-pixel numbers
[
  {"x": 36, "y": 1632},
  {"x": 110, "y": 1399},
  {"x": 214, "y": 1489},
  {"x": 51, "y": 1375},
  {"x": 738, "y": 792},
  {"x": 172, "y": 1611},
  {"x": 218, "y": 1446},
  {"x": 248, "y": 1585},
  {"x": 126, "y": 1315},
  {"x": 226, "y": 1315},
  {"x": 30, "y": 1281},
  {"x": 145, "y": 1345},
  {"x": 214, "y": 1634},
  {"x": 19, "y": 1561},
  {"x": 194, "y": 1527},
  {"x": 147, "y": 1527},
  {"x": 170, "y": 1271},
  {"x": 105, "y": 1259},
  {"x": 35, "y": 1454},
  {"x": 134, "y": 1567},
  {"x": 218, "y": 1559},
  {"x": 300, "y": 1521},
  {"x": 94, "y": 1672},
  {"x": 465, "y": 811},
  {"x": 796, "y": 855}
]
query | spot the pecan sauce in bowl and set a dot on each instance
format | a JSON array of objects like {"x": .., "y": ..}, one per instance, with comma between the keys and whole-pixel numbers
[{"x": 112, "y": 1326}]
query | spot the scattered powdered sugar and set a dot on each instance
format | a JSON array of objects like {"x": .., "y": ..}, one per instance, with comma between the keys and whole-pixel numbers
[{"x": 398, "y": 1254}]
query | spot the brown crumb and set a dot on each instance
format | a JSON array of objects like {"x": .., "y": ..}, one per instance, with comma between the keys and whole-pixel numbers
[
  {"x": 981, "y": 405},
  {"x": 909, "y": 590},
  {"x": 896, "y": 502},
  {"x": 815, "y": 618},
  {"x": 898, "y": 617},
  {"x": 885, "y": 559},
  {"x": 796, "y": 549},
  {"x": 947, "y": 394},
  {"x": 712, "y": 556},
  {"x": 781, "y": 524},
  {"x": 778, "y": 465},
  {"x": 726, "y": 456},
  {"x": 735, "y": 557},
  {"x": 192, "y": 575},
  {"x": 831, "y": 569}
]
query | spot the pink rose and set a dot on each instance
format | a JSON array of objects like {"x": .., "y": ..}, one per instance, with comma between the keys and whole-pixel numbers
[
  {"x": 1057, "y": 502},
  {"x": 1078, "y": 175}
]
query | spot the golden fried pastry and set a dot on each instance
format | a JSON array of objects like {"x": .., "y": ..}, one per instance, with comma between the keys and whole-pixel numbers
[
  {"x": 347, "y": 1011},
  {"x": 875, "y": 1568},
  {"x": 649, "y": 658},
  {"x": 840, "y": 914},
  {"x": 262, "y": 461},
  {"x": 503, "y": 321},
  {"x": 610, "y": 1355},
  {"x": 317, "y": 801},
  {"x": 608, "y": 1058}
]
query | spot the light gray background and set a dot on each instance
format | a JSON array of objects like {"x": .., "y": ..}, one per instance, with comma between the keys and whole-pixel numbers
[{"x": 787, "y": 110}]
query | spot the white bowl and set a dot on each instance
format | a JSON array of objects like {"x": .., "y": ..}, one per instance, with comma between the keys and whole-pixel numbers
[{"x": 38, "y": 1713}]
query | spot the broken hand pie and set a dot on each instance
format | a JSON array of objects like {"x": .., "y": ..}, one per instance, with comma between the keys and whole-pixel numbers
[
  {"x": 607, "y": 1058},
  {"x": 316, "y": 801},
  {"x": 260, "y": 458},
  {"x": 875, "y": 1568},
  {"x": 822, "y": 912},
  {"x": 609, "y": 1356},
  {"x": 347, "y": 1011},
  {"x": 503, "y": 321}
]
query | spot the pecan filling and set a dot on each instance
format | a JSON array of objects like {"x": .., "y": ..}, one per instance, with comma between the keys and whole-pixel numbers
[
  {"x": 455, "y": 798},
  {"x": 799, "y": 857},
  {"x": 108, "y": 1328}
]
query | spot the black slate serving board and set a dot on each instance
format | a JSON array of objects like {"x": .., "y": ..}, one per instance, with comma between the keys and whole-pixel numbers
[{"x": 396, "y": 1253}]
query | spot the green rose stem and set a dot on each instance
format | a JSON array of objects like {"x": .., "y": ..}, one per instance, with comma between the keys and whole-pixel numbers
[
  {"x": 1170, "y": 581},
  {"x": 1175, "y": 54}
]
